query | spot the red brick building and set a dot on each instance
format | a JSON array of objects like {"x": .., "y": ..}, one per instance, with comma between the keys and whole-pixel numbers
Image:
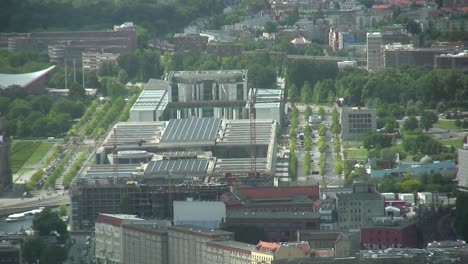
[{"x": 389, "y": 233}]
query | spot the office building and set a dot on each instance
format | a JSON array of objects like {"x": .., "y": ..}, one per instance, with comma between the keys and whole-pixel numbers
[
  {"x": 395, "y": 55},
  {"x": 92, "y": 60},
  {"x": 448, "y": 61},
  {"x": 356, "y": 122},
  {"x": 374, "y": 51},
  {"x": 389, "y": 232},
  {"x": 462, "y": 174}
]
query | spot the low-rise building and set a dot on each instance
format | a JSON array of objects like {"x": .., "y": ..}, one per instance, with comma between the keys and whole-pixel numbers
[
  {"x": 389, "y": 232},
  {"x": 449, "y": 61},
  {"x": 228, "y": 252},
  {"x": 266, "y": 253},
  {"x": 190, "y": 41},
  {"x": 342, "y": 244},
  {"x": 224, "y": 49}
]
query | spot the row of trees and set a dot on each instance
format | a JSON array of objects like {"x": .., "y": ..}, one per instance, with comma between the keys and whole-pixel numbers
[{"x": 292, "y": 162}]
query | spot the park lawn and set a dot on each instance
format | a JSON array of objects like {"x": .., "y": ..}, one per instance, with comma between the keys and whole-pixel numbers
[
  {"x": 21, "y": 151},
  {"x": 446, "y": 124},
  {"x": 356, "y": 153},
  {"x": 39, "y": 153},
  {"x": 456, "y": 142},
  {"x": 352, "y": 143}
]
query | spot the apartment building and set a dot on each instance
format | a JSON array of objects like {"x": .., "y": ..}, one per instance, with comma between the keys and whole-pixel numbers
[
  {"x": 188, "y": 243},
  {"x": 266, "y": 253},
  {"x": 228, "y": 252},
  {"x": 374, "y": 51},
  {"x": 145, "y": 242},
  {"x": 357, "y": 209},
  {"x": 108, "y": 236}
]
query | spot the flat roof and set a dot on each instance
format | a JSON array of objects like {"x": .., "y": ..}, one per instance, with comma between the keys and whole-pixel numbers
[
  {"x": 176, "y": 166},
  {"x": 272, "y": 215},
  {"x": 233, "y": 244},
  {"x": 359, "y": 196},
  {"x": 200, "y": 230},
  {"x": 196, "y": 76},
  {"x": 237, "y": 132},
  {"x": 22, "y": 79},
  {"x": 200, "y": 130},
  {"x": 267, "y": 98}
]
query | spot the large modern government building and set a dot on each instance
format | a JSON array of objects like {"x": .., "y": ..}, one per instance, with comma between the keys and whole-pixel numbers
[{"x": 145, "y": 164}]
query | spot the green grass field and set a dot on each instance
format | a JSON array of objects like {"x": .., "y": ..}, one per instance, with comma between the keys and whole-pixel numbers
[
  {"x": 27, "y": 153},
  {"x": 39, "y": 153},
  {"x": 353, "y": 153},
  {"x": 446, "y": 124},
  {"x": 456, "y": 142}
]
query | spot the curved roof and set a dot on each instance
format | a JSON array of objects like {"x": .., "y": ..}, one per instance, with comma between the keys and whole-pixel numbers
[{"x": 22, "y": 79}]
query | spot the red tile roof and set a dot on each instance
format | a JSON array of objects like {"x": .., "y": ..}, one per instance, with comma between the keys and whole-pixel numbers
[
  {"x": 264, "y": 193},
  {"x": 267, "y": 246}
]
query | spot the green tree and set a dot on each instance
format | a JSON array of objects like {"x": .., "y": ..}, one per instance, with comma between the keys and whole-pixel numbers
[
  {"x": 48, "y": 221},
  {"x": 271, "y": 27},
  {"x": 53, "y": 254},
  {"x": 306, "y": 93},
  {"x": 293, "y": 92},
  {"x": 428, "y": 118},
  {"x": 32, "y": 249},
  {"x": 410, "y": 123},
  {"x": 62, "y": 210}
]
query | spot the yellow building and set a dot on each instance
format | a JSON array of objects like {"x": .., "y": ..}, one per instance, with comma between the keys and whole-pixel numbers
[{"x": 266, "y": 252}]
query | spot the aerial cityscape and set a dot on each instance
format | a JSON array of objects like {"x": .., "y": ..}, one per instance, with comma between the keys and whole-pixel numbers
[{"x": 233, "y": 131}]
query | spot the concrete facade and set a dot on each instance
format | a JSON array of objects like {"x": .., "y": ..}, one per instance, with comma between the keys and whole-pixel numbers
[
  {"x": 188, "y": 244},
  {"x": 266, "y": 253},
  {"x": 144, "y": 242},
  {"x": 357, "y": 122},
  {"x": 374, "y": 51},
  {"x": 463, "y": 165},
  {"x": 357, "y": 209},
  {"x": 228, "y": 252}
]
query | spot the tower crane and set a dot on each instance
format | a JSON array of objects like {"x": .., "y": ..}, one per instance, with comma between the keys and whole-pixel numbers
[{"x": 253, "y": 131}]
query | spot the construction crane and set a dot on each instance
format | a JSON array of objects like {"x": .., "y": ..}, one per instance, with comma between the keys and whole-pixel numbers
[{"x": 253, "y": 131}]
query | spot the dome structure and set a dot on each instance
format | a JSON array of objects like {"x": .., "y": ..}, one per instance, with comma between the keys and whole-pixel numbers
[{"x": 426, "y": 160}]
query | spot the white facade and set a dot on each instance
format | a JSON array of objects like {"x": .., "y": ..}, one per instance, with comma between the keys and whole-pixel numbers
[
  {"x": 108, "y": 237},
  {"x": 389, "y": 196},
  {"x": 374, "y": 51},
  {"x": 408, "y": 197},
  {"x": 149, "y": 106},
  {"x": 228, "y": 252},
  {"x": 208, "y": 93},
  {"x": 426, "y": 198},
  {"x": 463, "y": 165},
  {"x": 203, "y": 214}
]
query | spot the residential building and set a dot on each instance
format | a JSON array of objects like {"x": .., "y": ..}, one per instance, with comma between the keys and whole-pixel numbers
[
  {"x": 6, "y": 180},
  {"x": 357, "y": 209},
  {"x": 208, "y": 214},
  {"x": 190, "y": 41},
  {"x": 92, "y": 60},
  {"x": 145, "y": 242},
  {"x": 224, "y": 49},
  {"x": 108, "y": 236},
  {"x": 9, "y": 253},
  {"x": 389, "y": 232},
  {"x": 374, "y": 51},
  {"x": 462, "y": 174},
  {"x": 228, "y": 252},
  {"x": 342, "y": 244},
  {"x": 357, "y": 122},
  {"x": 69, "y": 46},
  {"x": 328, "y": 215},
  {"x": 266, "y": 253},
  {"x": 447, "y": 61},
  {"x": 188, "y": 244}
]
